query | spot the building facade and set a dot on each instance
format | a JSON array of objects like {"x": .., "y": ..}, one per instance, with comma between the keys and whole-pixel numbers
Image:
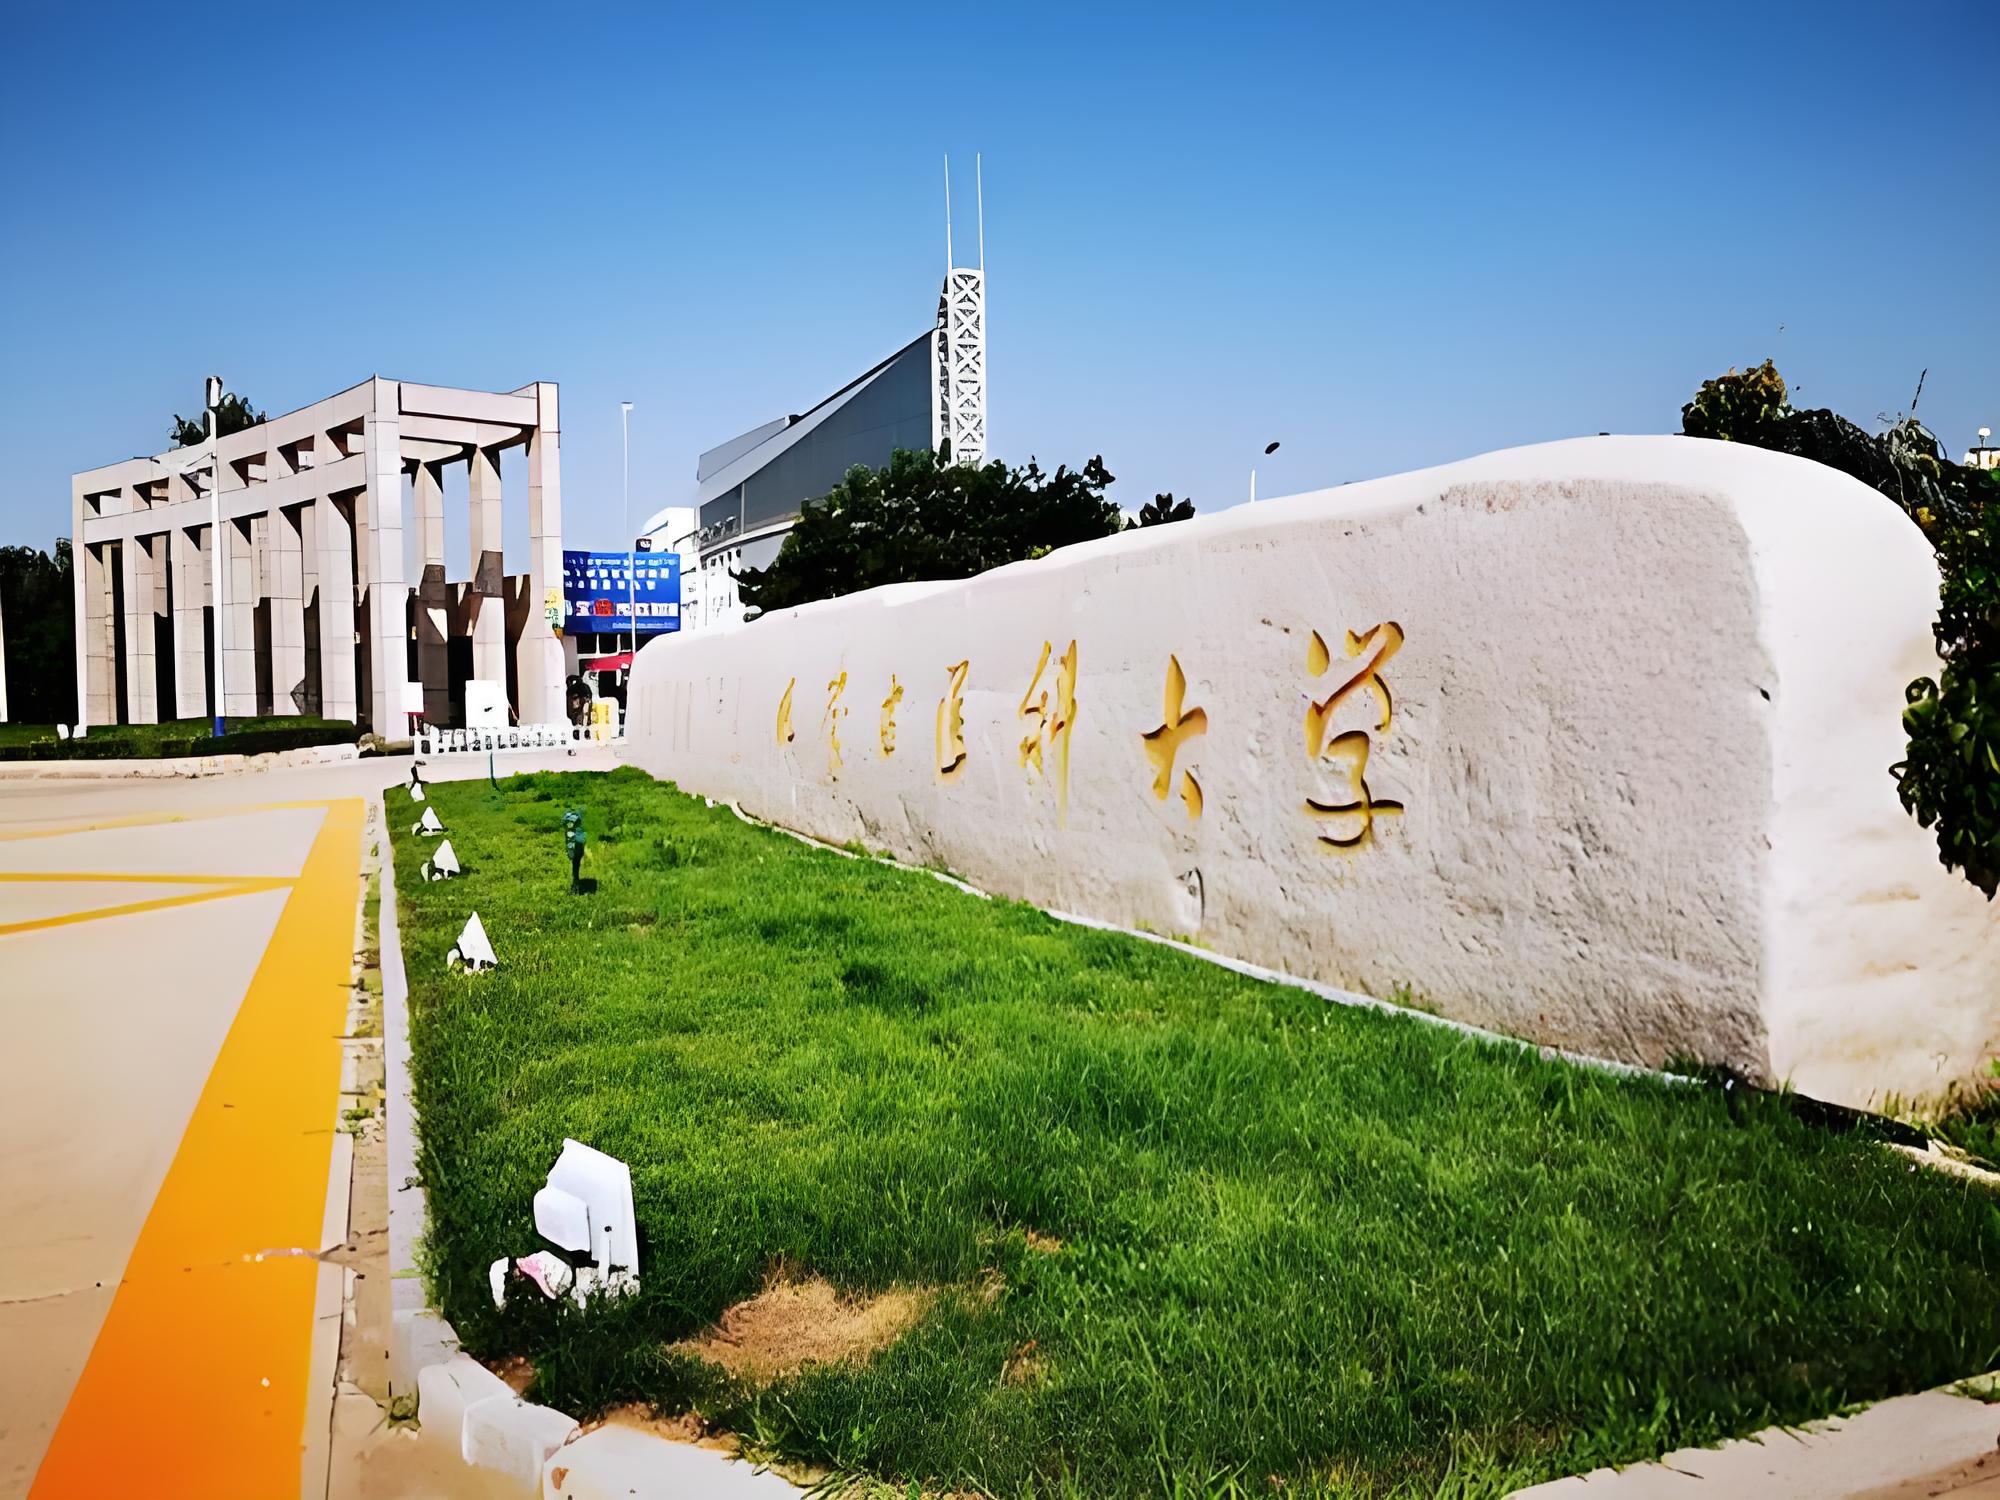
[
  {"x": 930, "y": 393},
  {"x": 306, "y": 596}
]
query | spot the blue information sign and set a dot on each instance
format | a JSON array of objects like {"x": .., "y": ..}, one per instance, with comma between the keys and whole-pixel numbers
[{"x": 597, "y": 586}]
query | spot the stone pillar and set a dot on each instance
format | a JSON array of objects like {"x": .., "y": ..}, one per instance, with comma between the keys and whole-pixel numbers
[
  {"x": 538, "y": 654},
  {"x": 388, "y": 594},
  {"x": 333, "y": 556},
  {"x": 239, "y": 637},
  {"x": 141, "y": 698},
  {"x": 190, "y": 545},
  {"x": 97, "y": 683},
  {"x": 486, "y": 598},
  {"x": 433, "y": 599},
  {"x": 160, "y": 563},
  {"x": 288, "y": 620}
]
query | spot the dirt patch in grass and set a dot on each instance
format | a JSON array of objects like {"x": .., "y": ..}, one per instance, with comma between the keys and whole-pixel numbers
[
  {"x": 1025, "y": 1366},
  {"x": 793, "y": 1323}
]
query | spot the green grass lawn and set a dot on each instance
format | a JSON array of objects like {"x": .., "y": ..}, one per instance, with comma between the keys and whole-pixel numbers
[{"x": 1304, "y": 1249}]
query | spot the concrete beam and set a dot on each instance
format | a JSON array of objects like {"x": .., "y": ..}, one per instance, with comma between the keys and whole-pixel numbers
[
  {"x": 469, "y": 406},
  {"x": 463, "y": 434}
]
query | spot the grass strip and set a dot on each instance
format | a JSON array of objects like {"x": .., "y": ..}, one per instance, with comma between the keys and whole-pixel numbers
[{"x": 1303, "y": 1249}]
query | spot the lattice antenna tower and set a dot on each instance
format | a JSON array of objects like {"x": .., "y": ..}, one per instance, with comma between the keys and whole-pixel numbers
[{"x": 961, "y": 339}]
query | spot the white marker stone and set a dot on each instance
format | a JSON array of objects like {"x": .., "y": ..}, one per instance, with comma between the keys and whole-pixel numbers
[
  {"x": 428, "y": 824},
  {"x": 472, "y": 949},
  {"x": 416, "y": 791},
  {"x": 442, "y": 864}
]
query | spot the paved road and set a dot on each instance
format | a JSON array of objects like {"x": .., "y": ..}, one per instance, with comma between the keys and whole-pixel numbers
[{"x": 175, "y": 965}]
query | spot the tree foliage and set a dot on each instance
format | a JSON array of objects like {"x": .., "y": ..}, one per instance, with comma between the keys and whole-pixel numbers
[
  {"x": 1950, "y": 779},
  {"x": 1163, "y": 508},
  {"x": 232, "y": 414},
  {"x": 38, "y": 618},
  {"x": 922, "y": 519}
]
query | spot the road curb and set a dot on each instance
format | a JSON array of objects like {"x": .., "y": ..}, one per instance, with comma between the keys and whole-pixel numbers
[{"x": 182, "y": 766}]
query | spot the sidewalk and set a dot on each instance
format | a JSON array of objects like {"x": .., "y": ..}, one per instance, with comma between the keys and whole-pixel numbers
[{"x": 1935, "y": 1444}]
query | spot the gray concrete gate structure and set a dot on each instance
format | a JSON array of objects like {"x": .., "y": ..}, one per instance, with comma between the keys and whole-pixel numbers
[{"x": 318, "y": 615}]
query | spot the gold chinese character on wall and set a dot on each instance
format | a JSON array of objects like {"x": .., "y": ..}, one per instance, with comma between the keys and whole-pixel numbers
[
  {"x": 1164, "y": 743},
  {"x": 785, "y": 713},
  {"x": 830, "y": 721},
  {"x": 951, "y": 723},
  {"x": 1352, "y": 811},
  {"x": 1048, "y": 724},
  {"x": 889, "y": 715}
]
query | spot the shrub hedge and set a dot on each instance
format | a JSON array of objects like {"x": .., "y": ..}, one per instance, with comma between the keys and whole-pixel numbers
[{"x": 116, "y": 744}]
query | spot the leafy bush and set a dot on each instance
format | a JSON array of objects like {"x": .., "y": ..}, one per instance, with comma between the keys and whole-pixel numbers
[
  {"x": 1950, "y": 780},
  {"x": 921, "y": 519},
  {"x": 1731, "y": 407}
]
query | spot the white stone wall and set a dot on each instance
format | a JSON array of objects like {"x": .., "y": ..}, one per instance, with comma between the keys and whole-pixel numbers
[{"x": 1585, "y": 742}]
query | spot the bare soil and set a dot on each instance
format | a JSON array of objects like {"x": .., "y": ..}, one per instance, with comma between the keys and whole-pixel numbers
[{"x": 793, "y": 1323}]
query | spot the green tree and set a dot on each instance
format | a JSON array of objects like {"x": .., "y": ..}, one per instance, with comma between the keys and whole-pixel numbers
[
  {"x": 37, "y": 616},
  {"x": 1161, "y": 509},
  {"x": 1950, "y": 779},
  {"x": 922, "y": 519},
  {"x": 232, "y": 414}
]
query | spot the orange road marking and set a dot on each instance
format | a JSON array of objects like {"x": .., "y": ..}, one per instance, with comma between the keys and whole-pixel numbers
[{"x": 197, "y": 1384}]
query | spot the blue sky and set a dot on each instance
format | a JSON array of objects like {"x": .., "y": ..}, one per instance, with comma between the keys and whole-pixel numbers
[{"x": 1386, "y": 235}]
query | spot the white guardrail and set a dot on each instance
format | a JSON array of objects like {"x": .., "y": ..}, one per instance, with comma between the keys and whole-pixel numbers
[{"x": 431, "y": 741}]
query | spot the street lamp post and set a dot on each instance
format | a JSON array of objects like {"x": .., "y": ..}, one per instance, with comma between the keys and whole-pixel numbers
[
  {"x": 219, "y": 563},
  {"x": 1269, "y": 449},
  {"x": 218, "y": 558},
  {"x": 631, "y": 542}
]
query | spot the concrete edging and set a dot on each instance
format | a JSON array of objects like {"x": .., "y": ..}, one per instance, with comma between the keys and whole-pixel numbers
[{"x": 175, "y": 766}]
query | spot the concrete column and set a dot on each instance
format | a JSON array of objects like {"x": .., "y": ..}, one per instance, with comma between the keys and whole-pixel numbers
[
  {"x": 159, "y": 564},
  {"x": 388, "y": 593},
  {"x": 333, "y": 557},
  {"x": 539, "y": 654},
  {"x": 288, "y": 620},
  {"x": 487, "y": 595},
  {"x": 433, "y": 599},
  {"x": 190, "y": 548},
  {"x": 239, "y": 642},
  {"x": 141, "y": 699},
  {"x": 99, "y": 667}
]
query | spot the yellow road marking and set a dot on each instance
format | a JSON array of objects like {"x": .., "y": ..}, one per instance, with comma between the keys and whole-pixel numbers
[
  {"x": 197, "y": 1383},
  {"x": 118, "y": 877},
  {"x": 154, "y": 819},
  {"x": 238, "y": 886}
]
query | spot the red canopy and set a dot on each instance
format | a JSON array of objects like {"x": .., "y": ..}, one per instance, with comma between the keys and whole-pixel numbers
[{"x": 616, "y": 663}]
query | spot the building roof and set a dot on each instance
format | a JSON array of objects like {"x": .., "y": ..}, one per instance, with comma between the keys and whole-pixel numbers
[{"x": 783, "y": 434}]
